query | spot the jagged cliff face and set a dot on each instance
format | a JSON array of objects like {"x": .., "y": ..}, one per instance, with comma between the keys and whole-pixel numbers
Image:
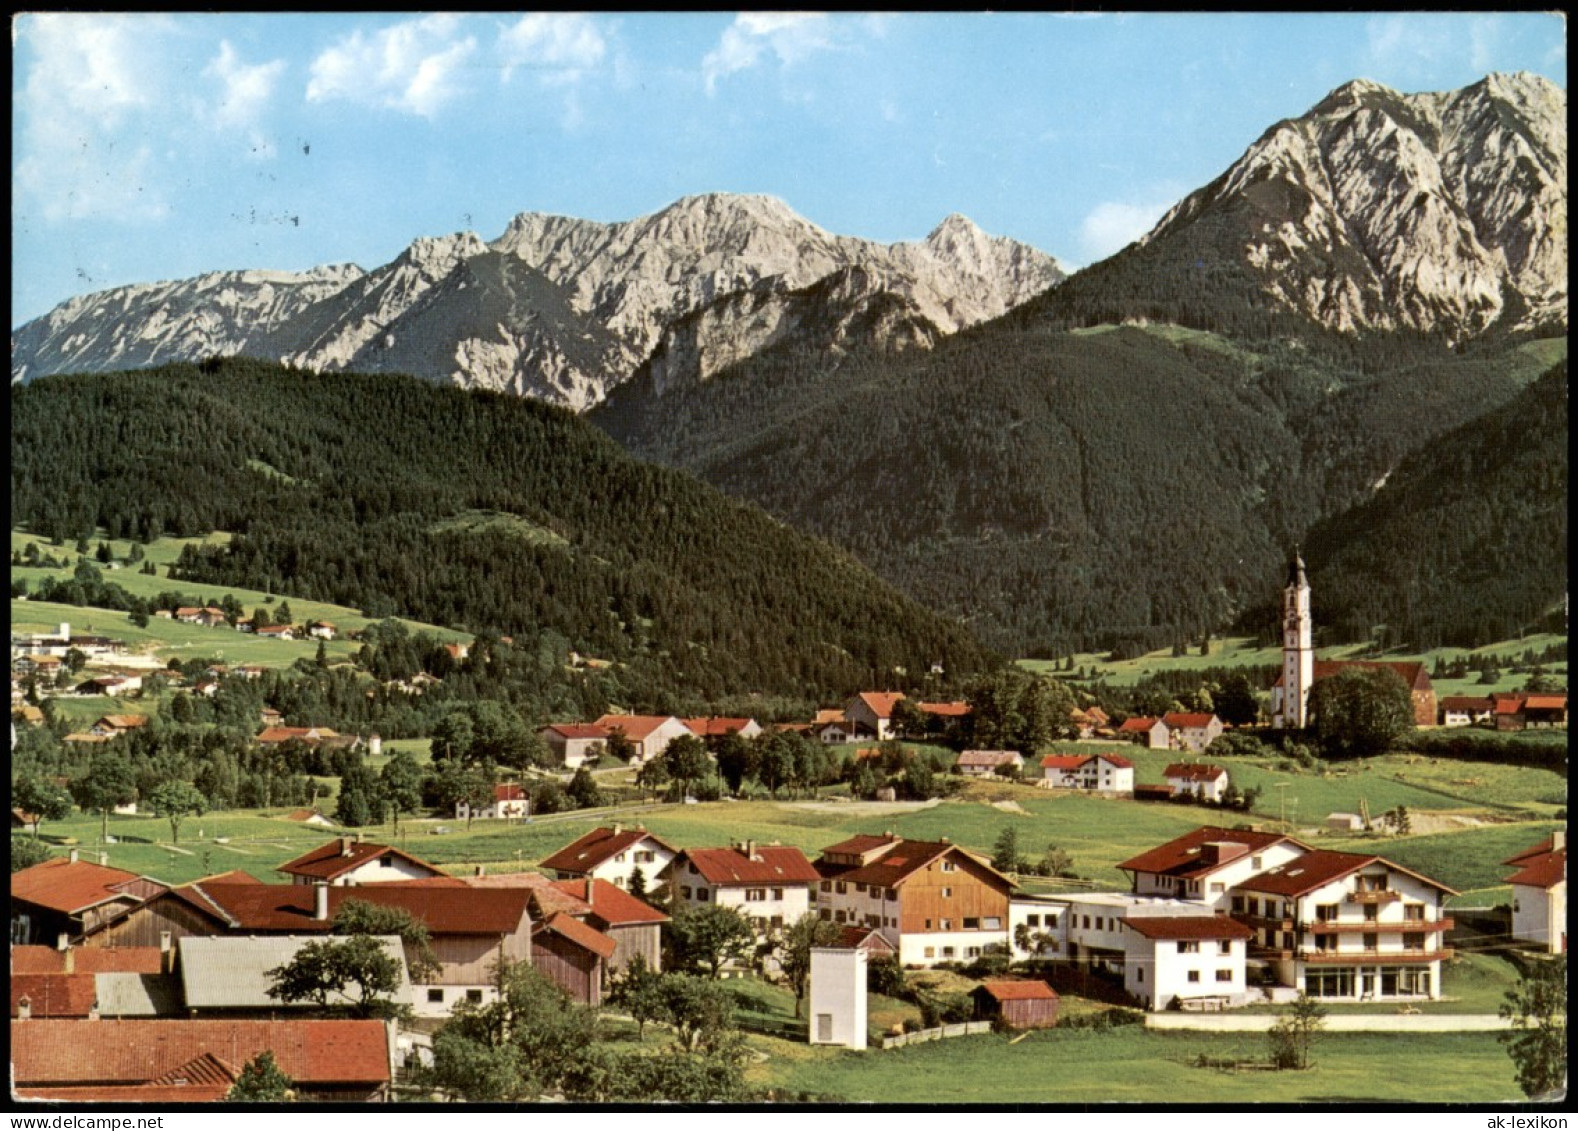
[
  {"x": 556, "y": 308},
  {"x": 1378, "y": 210}
]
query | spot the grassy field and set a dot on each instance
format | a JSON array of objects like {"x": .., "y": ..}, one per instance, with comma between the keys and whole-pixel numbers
[
  {"x": 1241, "y": 651},
  {"x": 1078, "y": 1067},
  {"x": 1465, "y": 859}
]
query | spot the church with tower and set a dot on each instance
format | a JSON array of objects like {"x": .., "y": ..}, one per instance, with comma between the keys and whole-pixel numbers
[{"x": 1290, "y": 695}]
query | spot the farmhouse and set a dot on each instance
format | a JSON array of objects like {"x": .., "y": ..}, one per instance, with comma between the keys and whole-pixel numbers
[
  {"x": 718, "y": 727},
  {"x": 981, "y": 763},
  {"x": 348, "y": 862},
  {"x": 770, "y": 885},
  {"x": 510, "y": 800},
  {"x": 1539, "y": 894},
  {"x": 184, "y": 1061},
  {"x": 932, "y": 900},
  {"x": 1192, "y": 732},
  {"x": 1203, "y": 780},
  {"x": 614, "y": 855},
  {"x": 1100, "y": 773},
  {"x": 1145, "y": 730},
  {"x": 66, "y": 896},
  {"x": 1467, "y": 710},
  {"x": 871, "y": 713},
  {"x": 576, "y": 744},
  {"x": 649, "y": 734},
  {"x": 1347, "y": 926}
]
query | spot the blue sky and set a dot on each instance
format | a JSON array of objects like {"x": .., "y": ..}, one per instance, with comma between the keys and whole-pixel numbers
[{"x": 150, "y": 147}]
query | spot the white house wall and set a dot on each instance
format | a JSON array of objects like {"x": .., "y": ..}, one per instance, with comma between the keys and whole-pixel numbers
[
  {"x": 1540, "y": 916},
  {"x": 1212, "y": 890}
]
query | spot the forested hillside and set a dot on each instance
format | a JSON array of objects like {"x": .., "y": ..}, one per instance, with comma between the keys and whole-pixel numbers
[
  {"x": 1071, "y": 489},
  {"x": 475, "y": 510}
]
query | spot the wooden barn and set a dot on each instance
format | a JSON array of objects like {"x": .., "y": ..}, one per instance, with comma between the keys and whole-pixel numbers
[{"x": 1019, "y": 1004}]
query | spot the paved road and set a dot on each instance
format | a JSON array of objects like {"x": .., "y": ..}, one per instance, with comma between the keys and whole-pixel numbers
[{"x": 1335, "y": 1022}]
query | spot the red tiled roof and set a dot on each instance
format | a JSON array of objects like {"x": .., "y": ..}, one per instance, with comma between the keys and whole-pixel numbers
[
  {"x": 1542, "y": 871},
  {"x": 597, "y": 846},
  {"x": 584, "y": 936},
  {"x": 54, "y": 995},
  {"x": 1412, "y": 672},
  {"x": 1064, "y": 761},
  {"x": 614, "y": 906},
  {"x": 956, "y": 710},
  {"x": 1182, "y": 856},
  {"x": 1189, "y": 721},
  {"x": 1117, "y": 760},
  {"x": 1540, "y": 849},
  {"x": 450, "y": 907},
  {"x": 1020, "y": 991},
  {"x": 110, "y": 1053},
  {"x": 1508, "y": 706},
  {"x": 1466, "y": 703},
  {"x": 510, "y": 792},
  {"x": 1194, "y": 771},
  {"x": 715, "y": 727},
  {"x": 861, "y": 843},
  {"x": 135, "y": 1093},
  {"x": 880, "y": 702},
  {"x": 67, "y": 887},
  {"x": 1137, "y": 724},
  {"x": 1546, "y": 702},
  {"x": 728, "y": 866},
  {"x": 636, "y": 727},
  {"x": 334, "y": 859},
  {"x": 579, "y": 730},
  {"x": 829, "y": 715},
  {"x": 855, "y": 937},
  {"x": 123, "y": 722},
  {"x": 285, "y": 734},
  {"x": 87, "y": 960},
  {"x": 1189, "y": 927},
  {"x": 1318, "y": 868}
]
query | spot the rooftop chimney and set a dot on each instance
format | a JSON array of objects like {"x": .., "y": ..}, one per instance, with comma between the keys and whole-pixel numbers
[
  {"x": 750, "y": 850},
  {"x": 69, "y": 961},
  {"x": 62, "y": 941},
  {"x": 320, "y": 901},
  {"x": 345, "y": 846},
  {"x": 74, "y": 856},
  {"x": 104, "y": 859},
  {"x": 1221, "y": 851},
  {"x": 944, "y": 840},
  {"x": 167, "y": 952},
  {"x": 618, "y": 828},
  {"x": 1558, "y": 840}
]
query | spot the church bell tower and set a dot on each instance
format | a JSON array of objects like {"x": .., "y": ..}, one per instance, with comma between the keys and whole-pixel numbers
[{"x": 1298, "y": 649}]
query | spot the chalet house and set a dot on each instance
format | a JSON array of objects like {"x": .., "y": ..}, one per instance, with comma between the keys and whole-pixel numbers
[
  {"x": 1539, "y": 894},
  {"x": 1090, "y": 722},
  {"x": 574, "y": 954},
  {"x": 208, "y": 617},
  {"x": 269, "y": 717},
  {"x": 308, "y": 817},
  {"x": 184, "y": 1061},
  {"x": 613, "y": 855},
  {"x": 321, "y": 630},
  {"x": 770, "y": 885},
  {"x": 834, "y": 732},
  {"x": 575, "y": 744},
  {"x": 312, "y": 736},
  {"x": 650, "y": 734},
  {"x": 1194, "y": 960},
  {"x": 348, "y": 862},
  {"x": 1412, "y": 673},
  {"x": 69, "y": 897},
  {"x": 1193, "y": 732},
  {"x": 1203, "y": 866},
  {"x": 871, "y": 713},
  {"x": 1099, "y": 773},
  {"x": 1340, "y": 925},
  {"x": 1017, "y": 1004},
  {"x": 934, "y": 901},
  {"x": 1467, "y": 710},
  {"x": 227, "y": 975},
  {"x": 1518, "y": 710},
  {"x": 509, "y": 801},
  {"x": 1203, "y": 780},
  {"x": 981, "y": 763},
  {"x": 471, "y": 929},
  {"x": 951, "y": 711},
  {"x": 118, "y": 724},
  {"x": 278, "y": 632},
  {"x": 718, "y": 727},
  {"x": 1146, "y": 731}
]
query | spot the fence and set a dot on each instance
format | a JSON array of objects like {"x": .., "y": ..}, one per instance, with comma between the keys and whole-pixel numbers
[{"x": 964, "y": 1029}]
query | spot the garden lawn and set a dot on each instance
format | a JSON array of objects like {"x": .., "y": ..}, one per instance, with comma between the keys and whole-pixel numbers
[
  {"x": 1463, "y": 860},
  {"x": 1133, "y": 1065}
]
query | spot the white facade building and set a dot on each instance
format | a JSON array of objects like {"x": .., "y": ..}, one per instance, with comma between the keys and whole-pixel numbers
[{"x": 838, "y": 997}]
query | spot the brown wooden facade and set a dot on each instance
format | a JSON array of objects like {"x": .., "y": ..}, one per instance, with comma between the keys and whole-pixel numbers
[
  {"x": 572, "y": 967},
  {"x": 952, "y": 889}
]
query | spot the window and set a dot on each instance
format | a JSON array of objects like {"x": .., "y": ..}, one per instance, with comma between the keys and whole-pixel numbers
[
  {"x": 684, "y": 891},
  {"x": 1139, "y": 974},
  {"x": 839, "y": 916},
  {"x": 825, "y": 915},
  {"x": 1414, "y": 912},
  {"x": 946, "y": 925},
  {"x": 1325, "y": 942},
  {"x": 1188, "y": 946},
  {"x": 873, "y": 920},
  {"x": 972, "y": 952},
  {"x": 1238, "y": 905},
  {"x": 1326, "y": 913},
  {"x": 947, "y": 952},
  {"x": 972, "y": 924},
  {"x": 703, "y": 894},
  {"x": 861, "y": 888},
  {"x": 436, "y": 996},
  {"x": 931, "y": 952},
  {"x": 645, "y": 857},
  {"x": 841, "y": 887},
  {"x": 1224, "y": 975},
  {"x": 1371, "y": 912},
  {"x": 1087, "y": 922},
  {"x": 892, "y": 893},
  {"x": 1414, "y": 942},
  {"x": 1032, "y": 920},
  {"x": 928, "y": 924},
  {"x": 778, "y": 893},
  {"x": 1254, "y": 905},
  {"x": 1254, "y": 862},
  {"x": 947, "y": 893},
  {"x": 949, "y": 866},
  {"x": 827, "y": 885},
  {"x": 1224, "y": 947},
  {"x": 1194, "y": 975},
  {"x": 992, "y": 923},
  {"x": 474, "y": 996},
  {"x": 619, "y": 858},
  {"x": 755, "y": 895},
  {"x": 620, "y": 881},
  {"x": 1329, "y": 983},
  {"x": 1100, "y": 925},
  {"x": 1371, "y": 942}
]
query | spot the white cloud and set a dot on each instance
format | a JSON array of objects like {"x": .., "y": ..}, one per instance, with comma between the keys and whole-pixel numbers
[
  {"x": 790, "y": 36},
  {"x": 1111, "y": 226},
  {"x": 91, "y": 88},
  {"x": 411, "y": 66},
  {"x": 243, "y": 89},
  {"x": 557, "y": 46}
]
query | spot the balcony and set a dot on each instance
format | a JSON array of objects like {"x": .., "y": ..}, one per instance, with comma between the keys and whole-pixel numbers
[
  {"x": 1390, "y": 927},
  {"x": 1262, "y": 922},
  {"x": 1374, "y": 896},
  {"x": 1371, "y": 957},
  {"x": 1268, "y": 953}
]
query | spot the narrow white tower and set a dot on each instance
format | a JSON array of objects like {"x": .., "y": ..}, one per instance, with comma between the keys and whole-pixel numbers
[{"x": 1298, "y": 649}]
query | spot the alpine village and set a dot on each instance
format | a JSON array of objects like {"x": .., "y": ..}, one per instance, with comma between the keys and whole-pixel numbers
[{"x": 810, "y": 666}]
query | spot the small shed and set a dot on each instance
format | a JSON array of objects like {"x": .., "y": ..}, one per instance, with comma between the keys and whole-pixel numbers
[
  {"x": 1019, "y": 1004},
  {"x": 1345, "y": 822}
]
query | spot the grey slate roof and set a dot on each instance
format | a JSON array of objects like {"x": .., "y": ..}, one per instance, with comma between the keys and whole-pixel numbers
[
  {"x": 139, "y": 995},
  {"x": 230, "y": 972}
]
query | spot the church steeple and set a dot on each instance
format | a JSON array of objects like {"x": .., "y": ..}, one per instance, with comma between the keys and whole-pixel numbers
[{"x": 1290, "y": 708}]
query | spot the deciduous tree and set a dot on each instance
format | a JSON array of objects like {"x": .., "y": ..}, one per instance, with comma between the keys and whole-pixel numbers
[
  {"x": 1360, "y": 712},
  {"x": 108, "y": 782},
  {"x": 707, "y": 936},
  {"x": 41, "y": 800},
  {"x": 1537, "y": 1041},
  {"x": 355, "y": 974},
  {"x": 175, "y": 801},
  {"x": 794, "y": 951},
  {"x": 261, "y": 1082}
]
